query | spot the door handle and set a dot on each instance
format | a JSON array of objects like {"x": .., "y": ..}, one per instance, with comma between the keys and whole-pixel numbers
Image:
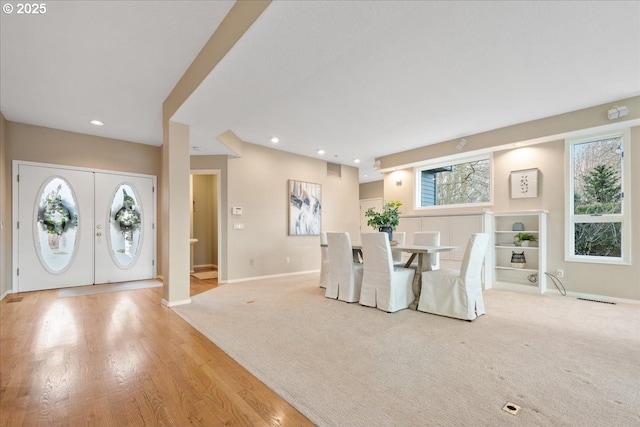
[{"x": 98, "y": 234}]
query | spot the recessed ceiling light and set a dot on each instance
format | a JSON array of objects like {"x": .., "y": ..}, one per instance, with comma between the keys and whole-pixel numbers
[
  {"x": 356, "y": 160},
  {"x": 321, "y": 151},
  {"x": 96, "y": 122},
  {"x": 275, "y": 140}
]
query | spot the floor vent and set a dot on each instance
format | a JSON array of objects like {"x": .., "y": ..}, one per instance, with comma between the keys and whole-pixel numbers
[
  {"x": 511, "y": 408},
  {"x": 18, "y": 299},
  {"x": 597, "y": 300}
]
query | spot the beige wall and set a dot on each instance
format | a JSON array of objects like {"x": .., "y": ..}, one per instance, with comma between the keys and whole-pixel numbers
[
  {"x": 372, "y": 190},
  {"x": 5, "y": 203},
  {"x": 40, "y": 144},
  {"x": 598, "y": 279},
  {"x": 536, "y": 130},
  {"x": 257, "y": 182}
]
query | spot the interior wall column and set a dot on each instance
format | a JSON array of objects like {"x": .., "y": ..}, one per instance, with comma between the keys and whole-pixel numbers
[{"x": 175, "y": 224}]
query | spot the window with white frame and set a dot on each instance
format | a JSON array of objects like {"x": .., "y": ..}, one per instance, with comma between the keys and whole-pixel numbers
[
  {"x": 598, "y": 216},
  {"x": 463, "y": 182}
]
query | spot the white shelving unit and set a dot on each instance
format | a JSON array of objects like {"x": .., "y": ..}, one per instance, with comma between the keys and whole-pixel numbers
[{"x": 532, "y": 277}]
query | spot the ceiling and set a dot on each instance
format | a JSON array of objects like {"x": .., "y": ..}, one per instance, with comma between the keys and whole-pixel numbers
[{"x": 357, "y": 79}]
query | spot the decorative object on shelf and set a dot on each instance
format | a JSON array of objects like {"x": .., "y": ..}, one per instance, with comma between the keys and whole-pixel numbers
[
  {"x": 524, "y": 239},
  {"x": 386, "y": 221},
  {"x": 524, "y": 183},
  {"x": 518, "y": 226},
  {"x": 518, "y": 260},
  {"x": 305, "y": 208}
]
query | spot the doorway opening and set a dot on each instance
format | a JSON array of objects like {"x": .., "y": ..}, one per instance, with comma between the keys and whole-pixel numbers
[{"x": 204, "y": 227}]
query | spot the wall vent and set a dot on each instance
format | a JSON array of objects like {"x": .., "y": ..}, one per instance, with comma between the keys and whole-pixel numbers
[{"x": 334, "y": 170}]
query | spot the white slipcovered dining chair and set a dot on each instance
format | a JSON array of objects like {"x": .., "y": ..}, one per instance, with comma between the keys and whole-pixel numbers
[
  {"x": 457, "y": 293},
  {"x": 324, "y": 257},
  {"x": 345, "y": 275},
  {"x": 399, "y": 237},
  {"x": 427, "y": 238},
  {"x": 384, "y": 286}
]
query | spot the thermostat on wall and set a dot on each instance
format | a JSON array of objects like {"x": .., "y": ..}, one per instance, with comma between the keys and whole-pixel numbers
[{"x": 236, "y": 210}]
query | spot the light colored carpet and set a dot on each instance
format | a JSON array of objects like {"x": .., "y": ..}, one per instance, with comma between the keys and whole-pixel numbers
[
  {"x": 566, "y": 362},
  {"x": 206, "y": 275},
  {"x": 109, "y": 287}
]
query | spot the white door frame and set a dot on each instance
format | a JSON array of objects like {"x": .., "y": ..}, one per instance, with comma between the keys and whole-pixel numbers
[{"x": 15, "y": 211}]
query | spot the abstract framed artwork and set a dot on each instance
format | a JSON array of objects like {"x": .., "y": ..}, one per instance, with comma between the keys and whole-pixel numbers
[
  {"x": 305, "y": 208},
  {"x": 524, "y": 183}
]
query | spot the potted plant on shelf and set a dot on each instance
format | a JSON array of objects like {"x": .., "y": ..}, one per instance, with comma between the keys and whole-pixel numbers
[
  {"x": 524, "y": 239},
  {"x": 386, "y": 221}
]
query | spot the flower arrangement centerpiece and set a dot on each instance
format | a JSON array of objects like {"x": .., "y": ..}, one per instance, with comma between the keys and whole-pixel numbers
[{"x": 387, "y": 220}]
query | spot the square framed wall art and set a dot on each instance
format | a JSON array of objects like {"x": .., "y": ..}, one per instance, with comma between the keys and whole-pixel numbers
[{"x": 524, "y": 183}]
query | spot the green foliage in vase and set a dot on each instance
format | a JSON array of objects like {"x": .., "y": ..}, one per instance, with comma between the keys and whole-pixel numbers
[
  {"x": 520, "y": 237},
  {"x": 390, "y": 216},
  {"x": 526, "y": 236}
]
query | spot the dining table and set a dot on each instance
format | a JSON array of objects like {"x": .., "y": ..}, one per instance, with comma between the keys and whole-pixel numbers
[{"x": 418, "y": 251}]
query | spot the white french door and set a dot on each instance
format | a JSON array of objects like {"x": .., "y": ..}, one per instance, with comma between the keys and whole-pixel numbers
[
  {"x": 80, "y": 227},
  {"x": 123, "y": 252},
  {"x": 55, "y": 243}
]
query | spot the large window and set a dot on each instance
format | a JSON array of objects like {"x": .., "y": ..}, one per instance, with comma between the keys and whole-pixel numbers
[
  {"x": 464, "y": 182},
  {"x": 598, "y": 206}
]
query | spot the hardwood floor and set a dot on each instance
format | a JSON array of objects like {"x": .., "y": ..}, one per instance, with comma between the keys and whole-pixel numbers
[{"x": 122, "y": 359}]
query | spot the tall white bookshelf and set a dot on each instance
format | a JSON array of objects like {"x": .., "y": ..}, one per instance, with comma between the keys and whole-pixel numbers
[{"x": 531, "y": 277}]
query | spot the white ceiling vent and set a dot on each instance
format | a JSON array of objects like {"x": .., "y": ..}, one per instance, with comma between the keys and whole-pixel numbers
[{"x": 334, "y": 170}]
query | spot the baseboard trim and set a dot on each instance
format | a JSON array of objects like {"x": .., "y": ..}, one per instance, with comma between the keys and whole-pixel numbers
[
  {"x": 271, "y": 276},
  {"x": 4, "y": 295},
  {"x": 175, "y": 303},
  {"x": 205, "y": 266}
]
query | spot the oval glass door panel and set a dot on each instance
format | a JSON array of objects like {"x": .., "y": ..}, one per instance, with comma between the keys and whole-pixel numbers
[
  {"x": 56, "y": 225},
  {"x": 125, "y": 231}
]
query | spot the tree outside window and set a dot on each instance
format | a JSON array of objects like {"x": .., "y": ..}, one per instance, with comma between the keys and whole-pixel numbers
[
  {"x": 467, "y": 182},
  {"x": 597, "y": 220}
]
